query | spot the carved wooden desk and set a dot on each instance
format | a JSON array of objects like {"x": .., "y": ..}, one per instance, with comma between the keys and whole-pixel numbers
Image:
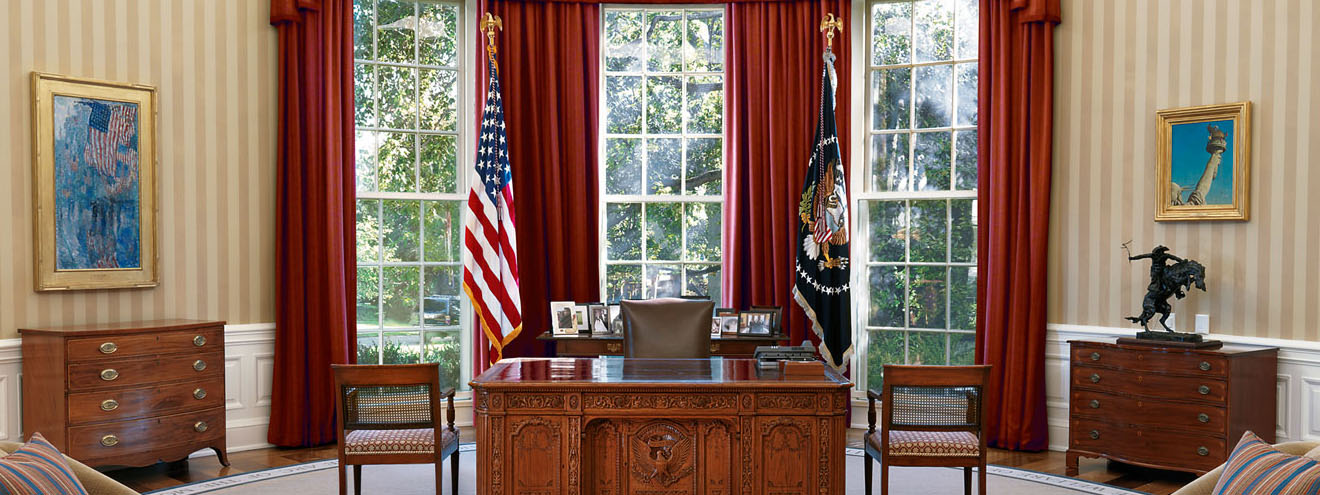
[{"x": 615, "y": 426}]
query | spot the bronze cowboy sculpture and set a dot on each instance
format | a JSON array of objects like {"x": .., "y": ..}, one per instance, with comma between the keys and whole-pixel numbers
[{"x": 1167, "y": 280}]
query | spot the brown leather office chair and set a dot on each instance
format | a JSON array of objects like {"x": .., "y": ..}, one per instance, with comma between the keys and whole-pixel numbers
[{"x": 667, "y": 328}]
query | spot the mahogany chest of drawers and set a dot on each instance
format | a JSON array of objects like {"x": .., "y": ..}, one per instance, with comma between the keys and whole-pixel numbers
[
  {"x": 129, "y": 394},
  {"x": 1167, "y": 407}
]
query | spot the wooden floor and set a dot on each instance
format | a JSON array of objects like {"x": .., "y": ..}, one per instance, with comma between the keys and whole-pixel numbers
[{"x": 166, "y": 475}]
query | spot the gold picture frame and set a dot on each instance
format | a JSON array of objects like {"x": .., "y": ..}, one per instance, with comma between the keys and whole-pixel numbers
[
  {"x": 94, "y": 184},
  {"x": 1203, "y": 166}
]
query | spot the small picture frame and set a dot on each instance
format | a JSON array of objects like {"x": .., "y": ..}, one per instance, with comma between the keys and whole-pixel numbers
[
  {"x": 616, "y": 319},
  {"x": 580, "y": 314},
  {"x": 756, "y": 322},
  {"x": 726, "y": 312},
  {"x": 563, "y": 318},
  {"x": 599, "y": 316},
  {"x": 729, "y": 325},
  {"x": 776, "y": 323}
]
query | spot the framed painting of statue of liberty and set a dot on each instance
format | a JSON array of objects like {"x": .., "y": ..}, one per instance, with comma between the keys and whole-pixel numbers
[
  {"x": 1204, "y": 163},
  {"x": 94, "y": 183}
]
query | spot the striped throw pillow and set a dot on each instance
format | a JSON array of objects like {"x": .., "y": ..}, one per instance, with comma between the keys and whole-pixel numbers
[
  {"x": 37, "y": 468},
  {"x": 1256, "y": 468}
]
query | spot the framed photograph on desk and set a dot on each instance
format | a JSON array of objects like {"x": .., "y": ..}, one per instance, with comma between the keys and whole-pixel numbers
[
  {"x": 563, "y": 318},
  {"x": 600, "y": 319},
  {"x": 756, "y": 322},
  {"x": 580, "y": 314},
  {"x": 729, "y": 326}
]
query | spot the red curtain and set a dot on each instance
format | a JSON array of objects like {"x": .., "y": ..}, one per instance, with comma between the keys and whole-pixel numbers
[
  {"x": 548, "y": 55},
  {"x": 315, "y": 254},
  {"x": 1015, "y": 134},
  {"x": 773, "y": 97}
]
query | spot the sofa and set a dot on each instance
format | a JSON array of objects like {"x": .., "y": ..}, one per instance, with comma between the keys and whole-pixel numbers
[
  {"x": 91, "y": 479},
  {"x": 1206, "y": 483}
]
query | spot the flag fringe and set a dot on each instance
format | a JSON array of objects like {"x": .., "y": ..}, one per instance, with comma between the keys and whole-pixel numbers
[{"x": 820, "y": 332}]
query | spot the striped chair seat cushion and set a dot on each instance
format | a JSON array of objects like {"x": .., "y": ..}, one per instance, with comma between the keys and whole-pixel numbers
[
  {"x": 414, "y": 441},
  {"x": 929, "y": 443},
  {"x": 1255, "y": 467},
  {"x": 38, "y": 468}
]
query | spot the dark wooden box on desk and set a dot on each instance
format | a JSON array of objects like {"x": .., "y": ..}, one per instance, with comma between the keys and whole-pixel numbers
[
  {"x": 127, "y": 394},
  {"x": 657, "y": 426},
  {"x": 584, "y": 345},
  {"x": 1167, "y": 407}
]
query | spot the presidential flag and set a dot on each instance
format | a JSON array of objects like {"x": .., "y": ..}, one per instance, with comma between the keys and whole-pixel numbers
[
  {"x": 490, "y": 273},
  {"x": 822, "y": 287}
]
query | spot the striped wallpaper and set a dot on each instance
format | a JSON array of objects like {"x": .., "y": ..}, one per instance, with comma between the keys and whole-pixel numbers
[
  {"x": 213, "y": 63},
  {"x": 1117, "y": 62}
]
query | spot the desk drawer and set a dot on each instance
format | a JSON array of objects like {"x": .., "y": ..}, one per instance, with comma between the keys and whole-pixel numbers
[
  {"x": 143, "y": 435},
  {"x": 1153, "y": 446},
  {"x": 124, "y": 404},
  {"x": 1160, "y": 362},
  {"x": 146, "y": 344},
  {"x": 1148, "y": 384},
  {"x": 128, "y": 373},
  {"x": 1123, "y": 410}
]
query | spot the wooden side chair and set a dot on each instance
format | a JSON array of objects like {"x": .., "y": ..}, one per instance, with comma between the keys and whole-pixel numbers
[
  {"x": 933, "y": 416},
  {"x": 390, "y": 414}
]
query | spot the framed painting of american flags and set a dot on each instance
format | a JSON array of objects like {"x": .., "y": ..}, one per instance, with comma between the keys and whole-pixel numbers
[{"x": 94, "y": 183}]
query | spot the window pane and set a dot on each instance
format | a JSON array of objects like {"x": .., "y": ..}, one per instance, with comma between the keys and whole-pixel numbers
[
  {"x": 926, "y": 297},
  {"x": 888, "y": 230},
  {"x": 398, "y": 97},
  {"x": 438, "y": 27},
  {"x": 705, "y": 166},
  {"x": 623, "y": 230},
  {"x": 363, "y": 12},
  {"x": 664, "y": 159},
  {"x": 396, "y": 25},
  {"x": 965, "y": 159},
  {"x": 962, "y": 349},
  {"x": 889, "y": 162},
  {"x": 402, "y": 285},
  {"x": 963, "y": 220},
  {"x": 705, "y": 97},
  {"x": 397, "y": 158},
  {"x": 664, "y": 35},
  {"x": 439, "y": 164},
  {"x": 935, "y": 32},
  {"x": 443, "y": 306},
  {"x": 928, "y": 348},
  {"x": 401, "y": 230},
  {"x": 931, "y": 156},
  {"x": 365, "y": 142},
  {"x": 624, "y": 48},
  {"x": 891, "y": 33},
  {"x": 623, "y": 166},
  {"x": 364, "y": 95},
  {"x": 623, "y": 282},
  {"x": 623, "y": 104},
  {"x": 929, "y": 228},
  {"x": 703, "y": 280},
  {"x": 402, "y": 348},
  {"x": 663, "y": 229},
  {"x": 890, "y": 95},
  {"x": 368, "y": 347},
  {"x": 705, "y": 41},
  {"x": 439, "y": 99},
  {"x": 444, "y": 347},
  {"x": 887, "y": 347},
  {"x": 444, "y": 231},
  {"x": 962, "y": 297},
  {"x": 368, "y": 231},
  {"x": 368, "y": 294},
  {"x": 703, "y": 232},
  {"x": 664, "y": 105},
  {"x": 968, "y": 35},
  {"x": 887, "y": 296},
  {"x": 967, "y": 97},
  {"x": 934, "y": 100},
  {"x": 662, "y": 280}
]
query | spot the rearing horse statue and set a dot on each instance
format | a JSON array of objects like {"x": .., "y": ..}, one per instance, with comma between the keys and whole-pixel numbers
[{"x": 1167, "y": 280}]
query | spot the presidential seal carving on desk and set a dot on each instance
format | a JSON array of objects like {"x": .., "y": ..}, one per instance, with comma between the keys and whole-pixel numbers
[{"x": 661, "y": 452}]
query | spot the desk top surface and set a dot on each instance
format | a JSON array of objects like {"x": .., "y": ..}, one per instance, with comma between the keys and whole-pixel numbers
[{"x": 606, "y": 371}]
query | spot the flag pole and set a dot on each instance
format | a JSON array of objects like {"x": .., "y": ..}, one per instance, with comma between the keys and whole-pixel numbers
[{"x": 830, "y": 25}]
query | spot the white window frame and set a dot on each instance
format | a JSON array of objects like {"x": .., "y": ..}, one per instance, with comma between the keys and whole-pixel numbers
[{"x": 607, "y": 199}]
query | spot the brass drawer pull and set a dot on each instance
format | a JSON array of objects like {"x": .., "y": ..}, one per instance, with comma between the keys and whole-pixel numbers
[
  {"x": 199, "y": 341},
  {"x": 613, "y": 347},
  {"x": 109, "y": 440},
  {"x": 200, "y": 426},
  {"x": 1205, "y": 366},
  {"x": 1095, "y": 404},
  {"x": 1095, "y": 434},
  {"x": 199, "y": 365},
  {"x": 199, "y": 394},
  {"x": 108, "y": 348},
  {"x": 1095, "y": 356},
  {"x": 1203, "y": 389},
  {"x": 714, "y": 347},
  {"x": 109, "y": 405},
  {"x": 1203, "y": 417},
  {"x": 1095, "y": 378},
  {"x": 1202, "y": 451},
  {"x": 109, "y": 375}
]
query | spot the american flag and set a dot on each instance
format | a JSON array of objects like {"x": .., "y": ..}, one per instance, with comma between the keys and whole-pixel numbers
[
  {"x": 107, "y": 128},
  {"x": 490, "y": 274}
]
